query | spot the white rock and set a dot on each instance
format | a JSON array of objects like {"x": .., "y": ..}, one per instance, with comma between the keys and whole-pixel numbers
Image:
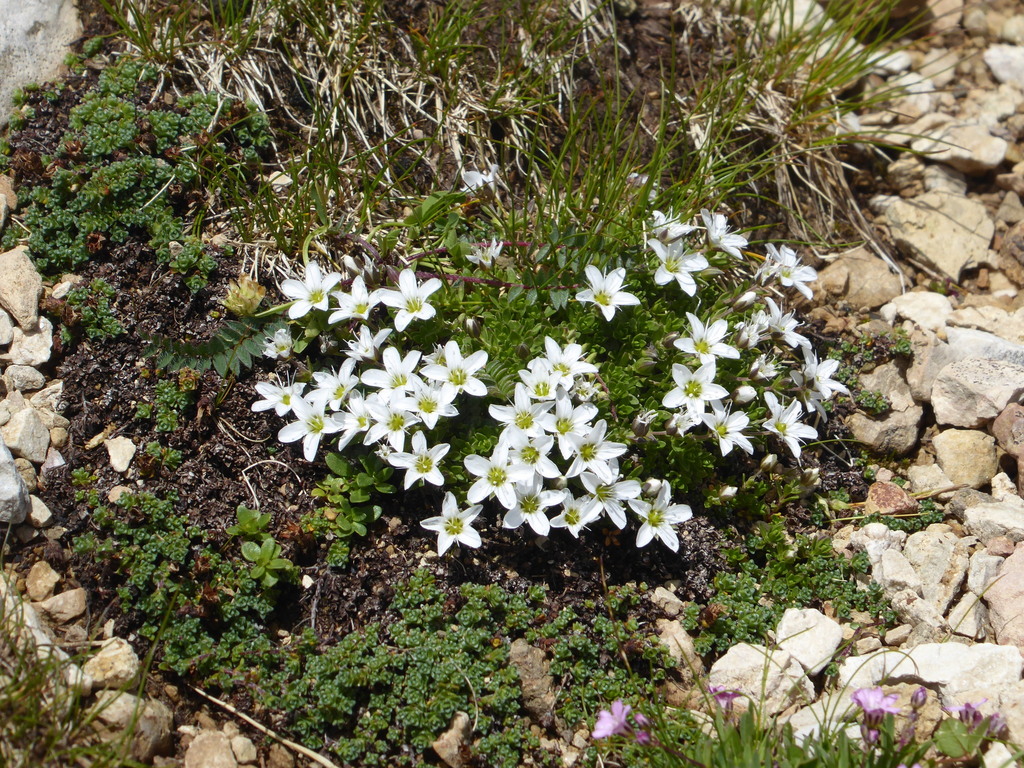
[
  {"x": 773, "y": 678},
  {"x": 998, "y": 756},
  {"x": 829, "y": 713},
  {"x": 942, "y": 178},
  {"x": 668, "y": 602},
  {"x": 48, "y": 398},
  {"x": 896, "y": 431},
  {"x": 939, "y": 65},
  {"x": 811, "y": 636},
  {"x": 1012, "y": 30},
  {"x": 30, "y": 347},
  {"x": 981, "y": 571},
  {"x": 968, "y": 617},
  {"x": 41, "y": 580},
  {"x": 245, "y": 750},
  {"x": 945, "y": 232},
  {"x": 39, "y": 516},
  {"x": 121, "y": 451},
  {"x": 1006, "y": 63},
  {"x": 65, "y": 607},
  {"x": 115, "y": 665},
  {"x": 150, "y": 721},
  {"x": 940, "y": 559},
  {"x": 892, "y": 63},
  {"x": 895, "y": 573},
  {"x": 210, "y": 749},
  {"x": 24, "y": 378},
  {"x": 876, "y": 538},
  {"x": 6, "y": 329},
  {"x": 966, "y": 456},
  {"x": 680, "y": 646},
  {"x": 22, "y": 286},
  {"x": 929, "y": 478},
  {"x": 925, "y": 310},
  {"x": 915, "y": 610},
  {"x": 14, "y": 498},
  {"x": 995, "y": 320},
  {"x": 1000, "y": 518},
  {"x": 968, "y": 147},
  {"x": 27, "y": 436},
  {"x": 973, "y": 391}
]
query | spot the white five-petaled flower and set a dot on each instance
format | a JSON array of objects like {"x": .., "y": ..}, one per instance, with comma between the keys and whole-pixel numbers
[
  {"x": 332, "y": 387},
  {"x": 817, "y": 376},
  {"x": 398, "y": 374},
  {"x": 785, "y": 422},
  {"x": 456, "y": 372},
  {"x": 593, "y": 453},
  {"x": 430, "y": 402},
  {"x": 540, "y": 379},
  {"x": 485, "y": 254},
  {"x": 390, "y": 420},
  {"x": 524, "y": 413},
  {"x": 498, "y": 477},
  {"x": 454, "y": 526},
  {"x": 782, "y": 262},
  {"x": 531, "y": 451},
  {"x": 410, "y": 299},
  {"x": 693, "y": 389},
  {"x": 567, "y": 420},
  {"x": 566, "y": 362},
  {"x": 668, "y": 228},
  {"x": 659, "y": 516},
  {"x": 279, "y": 346},
  {"x": 577, "y": 513},
  {"x": 356, "y": 417},
  {"x": 728, "y": 428},
  {"x": 705, "y": 341},
  {"x": 609, "y": 496},
  {"x": 311, "y": 426},
  {"x": 421, "y": 463},
  {"x": 677, "y": 263},
  {"x": 313, "y": 292},
  {"x": 782, "y": 325},
  {"x": 486, "y": 182},
  {"x": 606, "y": 291},
  {"x": 356, "y": 304},
  {"x": 531, "y": 501},
  {"x": 280, "y": 397},
  {"x": 719, "y": 235},
  {"x": 364, "y": 348}
]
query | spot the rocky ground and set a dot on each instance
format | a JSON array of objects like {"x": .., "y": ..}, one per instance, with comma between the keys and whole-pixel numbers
[{"x": 945, "y": 202}]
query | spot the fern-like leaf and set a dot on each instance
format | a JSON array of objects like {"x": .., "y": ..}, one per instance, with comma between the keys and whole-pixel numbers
[{"x": 231, "y": 349}]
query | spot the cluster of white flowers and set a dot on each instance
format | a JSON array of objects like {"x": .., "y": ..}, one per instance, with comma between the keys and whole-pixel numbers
[{"x": 552, "y": 465}]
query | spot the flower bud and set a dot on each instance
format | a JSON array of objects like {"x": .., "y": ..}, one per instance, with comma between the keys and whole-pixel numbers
[
  {"x": 244, "y": 296},
  {"x": 745, "y": 301},
  {"x": 744, "y": 338},
  {"x": 672, "y": 426},
  {"x": 919, "y": 697},
  {"x": 474, "y": 326},
  {"x": 744, "y": 394},
  {"x": 651, "y": 487},
  {"x": 670, "y": 340},
  {"x": 560, "y": 483},
  {"x": 352, "y": 267},
  {"x": 809, "y": 477},
  {"x": 523, "y": 351},
  {"x": 645, "y": 365},
  {"x": 769, "y": 463},
  {"x": 641, "y": 427},
  {"x": 727, "y": 493}
]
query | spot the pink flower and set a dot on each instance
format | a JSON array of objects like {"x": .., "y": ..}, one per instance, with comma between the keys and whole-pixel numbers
[{"x": 612, "y": 723}]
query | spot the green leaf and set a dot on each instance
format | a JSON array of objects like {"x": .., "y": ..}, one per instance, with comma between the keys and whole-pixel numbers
[
  {"x": 251, "y": 551},
  {"x": 338, "y": 464},
  {"x": 953, "y": 739}
]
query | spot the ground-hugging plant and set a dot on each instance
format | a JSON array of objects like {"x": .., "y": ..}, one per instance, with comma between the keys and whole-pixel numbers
[{"x": 573, "y": 380}]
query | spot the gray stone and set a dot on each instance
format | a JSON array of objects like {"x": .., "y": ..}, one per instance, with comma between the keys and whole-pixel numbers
[
  {"x": 535, "y": 680},
  {"x": 1004, "y": 598},
  {"x": 210, "y": 749},
  {"x": 811, "y": 636},
  {"x": 896, "y": 431},
  {"x": 945, "y": 232},
  {"x": 999, "y": 518},
  {"x": 942, "y": 178},
  {"x": 875, "y": 539},
  {"x": 680, "y": 647},
  {"x": 39, "y": 515},
  {"x": 667, "y": 601},
  {"x": 940, "y": 559},
  {"x": 14, "y": 498},
  {"x": 773, "y": 678},
  {"x": 115, "y": 665},
  {"x": 30, "y": 347},
  {"x": 915, "y": 610},
  {"x": 968, "y": 617},
  {"x": 926, "y": 310},
  {"x": 981, "y": 571},
  {"x": 929, "y": 479},
  {"x": 973, "y": 391},
  {"x": 1006, "y": 63},
  {"x": 967, "y": 147},
  {"x": 895, "y": 573},
  {"x": 24, "y": 378},
  {"x": 22, "y": 286},
  {"x": 6, "y": 329},
  {"x": 65, "y": 607},
  {"x": 995, "y": 320},
  {"x": 245, "y": 750},
  {"x": 861, "y": 278},
  {"x": 967, "y": 456},
  {"x": 27, "y": 436},
  {"x": 150, "y": 722}
]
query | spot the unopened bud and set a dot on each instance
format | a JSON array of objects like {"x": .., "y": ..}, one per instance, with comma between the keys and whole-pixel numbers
[
  {"x": 745, "y": 339},
  {"x": 523, "y": 351},
  {"x": 392, "y": 274},
  {"x": 560, "y": 483},
  {"x": 672, "y": 426},
  {"x": 645, "y": 365},
  {"x": 670, "y": 340},
  {"x": 474, "y": 326},
  {"x": 641, "y": 427},
  {"x": 351, "y": 265},
  {"x": 809, "y": 477},
  {"x": 651, "y": 487},
  {"x": 745, "y": 301},
  {"x": 744, "y": 394},
  {"x": 769, "y": 463},
  {"x": 727, "y": 492},
  {"x": 919, "y": 697}
]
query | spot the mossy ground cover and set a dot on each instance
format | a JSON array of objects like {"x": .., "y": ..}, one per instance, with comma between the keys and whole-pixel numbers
[{"x": 362, "y": 646}]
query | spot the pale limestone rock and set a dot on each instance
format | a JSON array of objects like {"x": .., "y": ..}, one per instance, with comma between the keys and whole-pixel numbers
[
  {"x": 940, "y": 559},
  {"x": 27, "y": 436},
  {"x": 680, "y": 647},
  {"x": 448, "y": 745},
  {"x": 1006, "y": 63},
  {"x": 30, "y": 347},
  {"x": 967, "y": 147},
  {"x": 245, "y": 750},
  {"x": 887, "y": 498},
  {"x": 115, "y": 665},
  {"x": 22, "y": 286},
  {"x": 973, "y": 391},
  {"x": 967, "y": 618},
  {"x": 535, "y": 680},
  {"x": 65, "y": 607},
  {"x": 810, "y": 636},
  {"x": 915, "y": 610},
  {"x": 667, "y": 601},
  {"x": 6, "y": 329},
  {"x": 24, "y": 378},
  {"x": 938, "y": 64},
  {"x": 1004, "y": 597},
  {"x": 929, "y": 478},
  {"x": 945, "y": 232},
  {"x": 967, "y": 456},
  {"x": 876, "y": 538},
  {"x": 942, "y": 178},
  {"x": 1000, "y": 518},
  {"x": 14, "y": 497},
  {"x": 896, "y": 431},
  {"x": 895, "y": 573},
  {"x": 210, "y": 749},
  {"x": 861, "y": 278},
  {"x": 981, "y": 571},
  {"x": 41, "y": 580},
  {"x": 121, "y": 451},
  {"x": 773, "y": 678},
  {"x": 926, "y": 310},
  {"x": 151, "y": 722},
  {"x": 39, "y": 515},
  {"x": 994, "y": 320}
]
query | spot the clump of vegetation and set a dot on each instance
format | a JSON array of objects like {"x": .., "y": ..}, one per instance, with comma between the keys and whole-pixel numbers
[{"x": 89, "y": 311}]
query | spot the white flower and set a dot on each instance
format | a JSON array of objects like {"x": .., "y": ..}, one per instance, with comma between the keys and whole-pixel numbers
[
  {"x": 485, "y": 255},
  {"x": 567, "y": 420},
  {"x": 454, "y": 526},
  {"x": 390, "y": 420},
  {"x": 356, "y": 304},
  {"x": 593, "y": 453},
  {"x": 421, "y": 463},
  {"x": 566, "y": 362},
  {"x": 677, "y": 263},
  {"x": 279, "y": 346},
  {"x": 410, "y": 299},
  {"x": 817, "y": 376},
  {"x": 332, "y": 387},
  {"x": 398, "y": 374},
  {"x": 531, "y": 451},
  {"x": 728, "y": 428},
  {"x": 312, "y": 425},
  {"x": 609, "y": 496},
  {"x": 606, "y": 291},
  {"x": 457, "y": 372},
  {"x": 705, "y": 341},
  {"x": 577, "y": 513},
  {"x": 720, "y": 236},
  {"x": 277, "y": 396},
  {"x": 781, "y": 325},
  {"x": 693, "y": 388},
  {"x": 311, "y": 293},
  {"x": 430, "y": 402},
  {"x": 763, "y": 369},
  {"x": 364, "y": 348},
  {"x": 531, "y": 501},
  {"x": 785, "y": 264},
  {"x": 659, "y": 517},
  {"x": 540, "y": 380},
  {"x": 355, "y": 418},
  {"x": 668, "y": 228},
  {"x": 524, "y": 414},
  {"x": 484, "y": 182},
  {"x": 497, "y": 476},
  {"x": 785, "y": 422}
]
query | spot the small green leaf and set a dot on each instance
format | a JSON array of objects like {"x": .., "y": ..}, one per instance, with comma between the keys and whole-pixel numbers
[{"x": 251, "y": 551}]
